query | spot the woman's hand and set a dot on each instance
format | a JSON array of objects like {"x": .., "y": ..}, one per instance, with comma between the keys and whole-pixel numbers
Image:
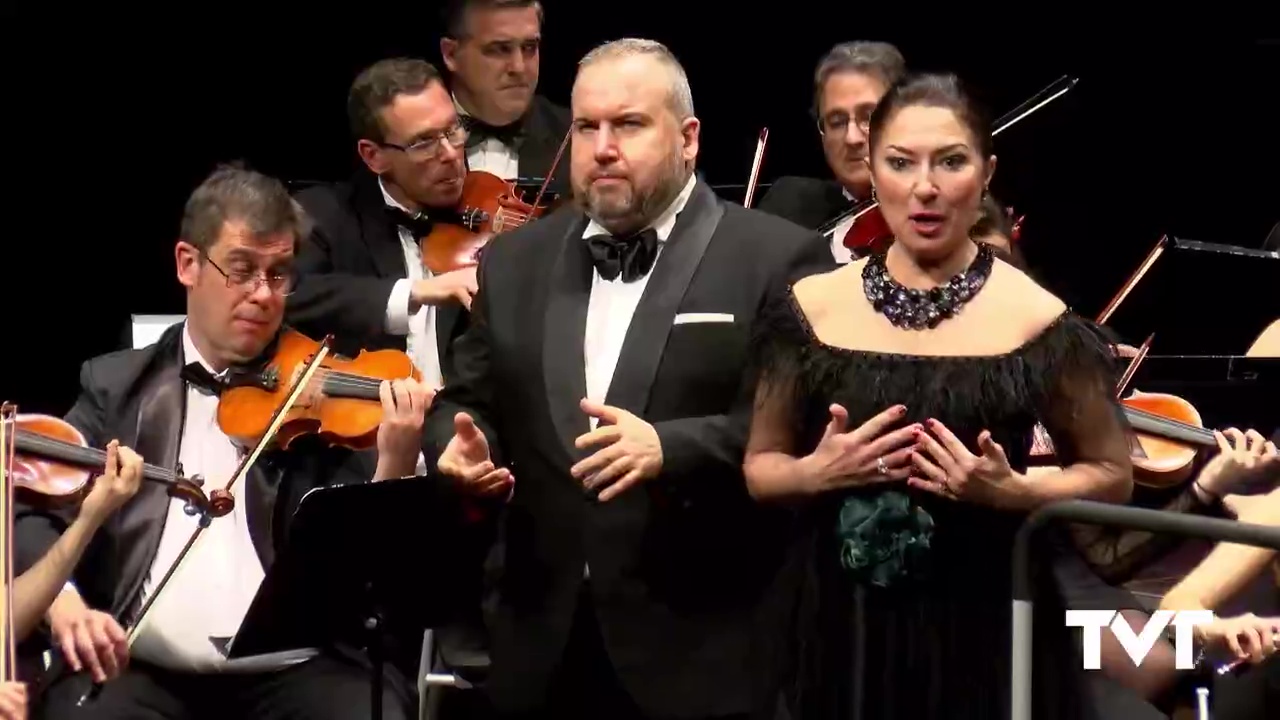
[
  {"x": 867, "y": 454},
  {"x": 1248, "y": 637},
  {"x": 944, "y": 466},
  {"x": 1243, "y": 457}
]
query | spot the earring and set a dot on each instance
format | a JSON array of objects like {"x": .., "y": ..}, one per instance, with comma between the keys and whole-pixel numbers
[{"x": 874, "y": 199}]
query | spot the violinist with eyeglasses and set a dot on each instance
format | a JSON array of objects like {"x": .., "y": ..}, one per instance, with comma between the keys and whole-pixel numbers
[{"x": 172, "y": 402}]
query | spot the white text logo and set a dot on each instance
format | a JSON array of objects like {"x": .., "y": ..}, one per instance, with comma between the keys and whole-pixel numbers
[{"x": 1138, "y": 645}]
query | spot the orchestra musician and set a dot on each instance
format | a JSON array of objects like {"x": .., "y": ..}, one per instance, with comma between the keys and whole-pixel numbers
[
  {"x": 234, "y": 258},
  {"x": 848, "y": 82},
  {"x": 37, "y": 588},
  {"x": 360, "y": 271},
  {"x": 897, "y": 423},
  {"x": 1226, "y": 572},
  {"x": 492, "y": 50},
  {"x": 594, "y": 388}
]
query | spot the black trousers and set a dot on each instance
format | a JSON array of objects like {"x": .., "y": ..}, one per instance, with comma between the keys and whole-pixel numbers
[
  {"x": 585, "y": 686},
  {"x": 327, "y": 687}
]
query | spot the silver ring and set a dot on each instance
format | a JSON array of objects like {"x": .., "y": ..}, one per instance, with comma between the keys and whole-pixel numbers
[{"x": 881, "y": 467}]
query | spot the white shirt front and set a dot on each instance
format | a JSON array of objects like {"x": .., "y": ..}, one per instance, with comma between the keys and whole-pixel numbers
[
  {"x": 491, "y": 155},
  {"x": 613, "y": 302},
  {"x": 419, "y": 329},
  {"x": 207, "y": 598}
]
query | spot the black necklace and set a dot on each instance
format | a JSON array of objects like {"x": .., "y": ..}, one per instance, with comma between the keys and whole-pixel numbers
[{"x": 920, "y": 309}]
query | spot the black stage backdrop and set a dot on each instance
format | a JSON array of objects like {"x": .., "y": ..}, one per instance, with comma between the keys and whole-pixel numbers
[{"x": 112, "y": 120}]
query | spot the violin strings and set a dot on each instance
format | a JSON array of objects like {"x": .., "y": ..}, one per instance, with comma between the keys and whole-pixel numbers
[
  {"x": 1175, "y": 426},
  {"x": 61, "y": 450}
]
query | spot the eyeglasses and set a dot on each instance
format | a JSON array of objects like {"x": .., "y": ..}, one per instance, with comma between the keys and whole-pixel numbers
[
  {"x": 428, "y": 148},
  {"x": 839, "y": 124},
  {"x": 248, "y": 281}
]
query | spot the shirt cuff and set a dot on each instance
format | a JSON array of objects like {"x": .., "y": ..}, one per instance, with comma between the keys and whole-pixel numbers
[{"x": 398, "y": 308}]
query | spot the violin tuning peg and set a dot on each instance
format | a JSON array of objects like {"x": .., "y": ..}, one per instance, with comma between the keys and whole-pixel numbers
[
  {"x": 197, "y": 480},
  {"x": 190, "y": 509}
]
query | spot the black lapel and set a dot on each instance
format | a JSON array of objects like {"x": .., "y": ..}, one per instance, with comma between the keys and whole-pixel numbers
[
  {"x": 538, "y": 148},
  {"x": 162, "y": 406},
  {"x": 565, "y": 325},
  {"x": 651, "y": 323},
  {"x": 380, "y": 235},
  {"x": 446, "y": 320}
]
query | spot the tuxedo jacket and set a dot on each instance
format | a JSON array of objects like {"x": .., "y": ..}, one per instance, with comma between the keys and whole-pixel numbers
[
  {"x": 677, "y": 563},
  {"x": 139, "y": 398},
  {"x": 809, "y": 202},
  {"x": 347, "y": 266}
]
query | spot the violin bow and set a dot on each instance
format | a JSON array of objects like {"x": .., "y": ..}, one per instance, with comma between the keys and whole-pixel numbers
[
  {"x": 756, "y": 162},
  {"x": 1133, "y": 280},
  {"x": 8, "y": 638},
  {"x": 222, "y": 501},
  {"x": 1053, "y": 91},
  {"x": 546, "y": 181}
]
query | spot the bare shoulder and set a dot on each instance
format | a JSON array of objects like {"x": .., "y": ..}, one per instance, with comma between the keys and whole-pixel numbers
[
  {"x": 817, "y": 294},
  {"x": 1033, "y": 308}
]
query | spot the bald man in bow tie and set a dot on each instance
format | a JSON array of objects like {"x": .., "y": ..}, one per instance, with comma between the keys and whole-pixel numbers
[{"x": 595, "y": 405}]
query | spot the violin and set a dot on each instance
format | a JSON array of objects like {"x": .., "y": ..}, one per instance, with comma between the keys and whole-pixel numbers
[
  {"x": 340, "y": 403},
  {"x": 489, "y": 205},
  {"x": 53, "y": 466}
]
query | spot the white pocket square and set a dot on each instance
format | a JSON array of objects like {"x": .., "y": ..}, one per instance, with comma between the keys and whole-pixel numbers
[{"x": 687, "y": 318}]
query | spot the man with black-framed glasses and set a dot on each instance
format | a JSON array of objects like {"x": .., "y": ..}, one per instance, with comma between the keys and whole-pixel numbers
[
  {"x": 847, "y": 85},
  {"x": 235, "y": 260},
  {"x": 360, "y": 269}
]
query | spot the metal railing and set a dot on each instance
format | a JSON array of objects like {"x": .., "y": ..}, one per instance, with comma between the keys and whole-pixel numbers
[{"x": 1095, "y": 513}]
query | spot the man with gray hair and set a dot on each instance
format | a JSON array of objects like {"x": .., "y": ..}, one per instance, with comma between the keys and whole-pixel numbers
[
  {"x": 847, "y": 85},
  {"x": 599, "y": 404}
]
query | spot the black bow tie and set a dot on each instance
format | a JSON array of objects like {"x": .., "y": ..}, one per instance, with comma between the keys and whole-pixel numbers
[
  {"x": 419, "y": 225},
  {"x": 632, "y": 257},
  {"x": 199, "y": 377},
  {"x": 478, "y": 131}
]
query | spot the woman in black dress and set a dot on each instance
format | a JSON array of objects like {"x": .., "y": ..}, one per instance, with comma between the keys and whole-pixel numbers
[{"x": 894, "y": 415}]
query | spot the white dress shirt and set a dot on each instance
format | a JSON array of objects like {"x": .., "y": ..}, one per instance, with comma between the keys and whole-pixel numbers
[
  {"x": 419, "y": 329},
  {"x": 205, "y": 601},
  {"x": 491, "y": 155},
  {"x": 611, "y": 306}
]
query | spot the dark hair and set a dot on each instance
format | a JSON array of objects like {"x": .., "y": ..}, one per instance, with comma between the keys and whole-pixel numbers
[
  {"x": 878, "y": 59},
  {"x": 933, "y": 90},
  {"x": 234, "y": 193},
  {"x": 454, "y": 15},
  {"x": 994, "y": 219},
  {"x": 377, "y": 86}
]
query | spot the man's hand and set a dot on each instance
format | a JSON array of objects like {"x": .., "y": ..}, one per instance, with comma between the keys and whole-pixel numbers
[
  {"x": 404, "y": 406},
  {"x": 632, "y": 451},
  {"x": 118, "y": 482},
  {"x": 466, "y": 459},
  {"x": 460, "y": 285},
  {"x": 13, "y": 701},
  {"x": 90, "y": 640}
]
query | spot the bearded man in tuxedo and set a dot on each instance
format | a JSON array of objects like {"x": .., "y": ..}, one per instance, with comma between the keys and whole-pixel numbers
[{"x": 598, "y": 402}]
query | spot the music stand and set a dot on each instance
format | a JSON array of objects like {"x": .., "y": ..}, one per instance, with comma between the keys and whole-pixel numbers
[
  {"x": 347, "y": 573},
  {"x": 1178, "y": 299}
]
